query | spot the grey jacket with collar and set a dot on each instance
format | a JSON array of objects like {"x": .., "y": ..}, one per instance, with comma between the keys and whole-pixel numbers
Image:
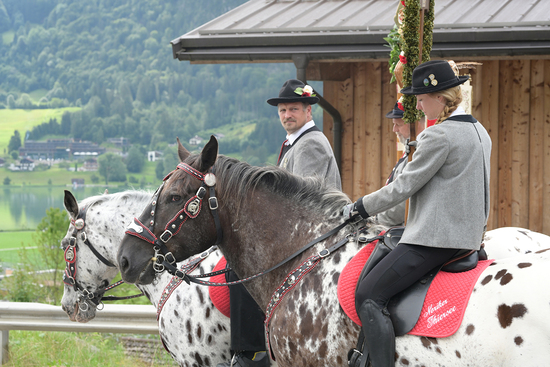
[
  {"x": 311, "y": 155},
  {"x": 448, "y": 185}
]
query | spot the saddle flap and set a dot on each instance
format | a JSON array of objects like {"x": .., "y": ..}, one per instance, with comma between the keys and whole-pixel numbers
[{"x": 406, "y": 306}]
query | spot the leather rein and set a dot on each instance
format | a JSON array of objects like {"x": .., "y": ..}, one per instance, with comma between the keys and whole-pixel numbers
[{"x": 85, "y": 297}]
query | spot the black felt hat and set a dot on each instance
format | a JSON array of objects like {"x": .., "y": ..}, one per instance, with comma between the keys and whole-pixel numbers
[
  {"x": 396, "y": 113},
  {"x": 292, "y": 91},
  {"x": 433, "y": 76}
]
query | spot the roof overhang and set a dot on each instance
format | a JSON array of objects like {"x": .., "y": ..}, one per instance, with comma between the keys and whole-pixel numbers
[
  {"x": 277, "y": 30},
  {"x": 357, "y": 45}
]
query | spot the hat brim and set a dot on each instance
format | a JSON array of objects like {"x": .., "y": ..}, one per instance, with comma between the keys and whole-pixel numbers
[
  {"x": 276, "y": 101},
  {"x": 431, "y": 89},
  {"x": 393, "y": 115}
]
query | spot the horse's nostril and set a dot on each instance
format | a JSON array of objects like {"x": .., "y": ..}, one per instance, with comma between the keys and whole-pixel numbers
[{"x": 124, "y": 263}]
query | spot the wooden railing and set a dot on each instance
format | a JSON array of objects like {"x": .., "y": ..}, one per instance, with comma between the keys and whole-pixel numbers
[{"x": 131, "y": 319}]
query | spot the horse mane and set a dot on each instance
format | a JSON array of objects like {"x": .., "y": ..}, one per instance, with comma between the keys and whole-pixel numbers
[{"x": 239, "y": 178}]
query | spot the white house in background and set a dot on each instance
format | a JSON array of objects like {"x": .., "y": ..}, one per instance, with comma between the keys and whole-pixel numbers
[
  {"x": 154, "y": 155},
  {"x": 195, "y": 140},
  {"x": 25, "y": 164}
]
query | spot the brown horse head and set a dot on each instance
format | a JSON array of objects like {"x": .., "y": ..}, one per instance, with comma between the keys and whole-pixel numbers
[{"x": 176, "y": 198}]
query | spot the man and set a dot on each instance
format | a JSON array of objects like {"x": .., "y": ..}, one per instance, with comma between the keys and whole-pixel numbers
[
  {"x": 396, "y": 215},
  {"x": 306, "y": 152}
]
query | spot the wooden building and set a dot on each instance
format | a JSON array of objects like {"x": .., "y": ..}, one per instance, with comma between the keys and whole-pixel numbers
[{"x": 341, "y": 43}]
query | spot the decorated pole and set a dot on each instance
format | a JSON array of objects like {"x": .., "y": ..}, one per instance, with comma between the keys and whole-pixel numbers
[{"x": 414, "y": 22}]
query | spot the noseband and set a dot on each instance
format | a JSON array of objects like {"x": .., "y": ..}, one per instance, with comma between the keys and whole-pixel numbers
[
  {"x": 163, "y": 258},
  {"x": 85, "y": 297}
]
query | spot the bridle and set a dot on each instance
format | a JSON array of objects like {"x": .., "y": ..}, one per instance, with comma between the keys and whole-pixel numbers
[
  {"x": 85, "y": 297},
  {"x": 163, "y": 258}
]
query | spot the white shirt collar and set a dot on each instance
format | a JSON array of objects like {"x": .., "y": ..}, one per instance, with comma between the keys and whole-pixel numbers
[
  {"x": 295, "y": 135},
  {"x": 459, "y": 111}
]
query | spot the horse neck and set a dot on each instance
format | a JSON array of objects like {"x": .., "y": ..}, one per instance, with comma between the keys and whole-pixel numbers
[{"x": 264, "y": 232}]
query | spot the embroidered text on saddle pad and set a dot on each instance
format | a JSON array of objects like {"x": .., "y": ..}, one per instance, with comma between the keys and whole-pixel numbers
[
  {"x": 445, "y": 302},
  {"x": 220, "y": 295}
]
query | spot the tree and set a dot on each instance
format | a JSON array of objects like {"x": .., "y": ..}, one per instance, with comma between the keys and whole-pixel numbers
[
  {"x": 112, "y": 168},
  {"x": 47, "y": 236},
  {"x": 7, "y": 180},
  {"x": 135, "y": 160},
  {"x": 15, "y": 142},
  {"x": 159, "y": 170},
  {"x": 27, "y": 284}
]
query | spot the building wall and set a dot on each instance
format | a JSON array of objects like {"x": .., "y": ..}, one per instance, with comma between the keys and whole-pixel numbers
[{"x": 511, "y": 98}]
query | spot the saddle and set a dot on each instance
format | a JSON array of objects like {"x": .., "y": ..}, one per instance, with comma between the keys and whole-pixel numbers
[{"x": 405, "y": 307}]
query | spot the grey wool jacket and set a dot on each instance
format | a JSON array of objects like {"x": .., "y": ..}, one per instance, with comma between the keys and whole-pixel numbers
[
  {"x": 447, "y": 181},
  {"x": 311, "y": 155}
]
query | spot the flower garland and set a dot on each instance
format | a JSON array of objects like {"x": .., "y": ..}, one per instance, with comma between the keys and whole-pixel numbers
[{"x": 410, "y": 53}]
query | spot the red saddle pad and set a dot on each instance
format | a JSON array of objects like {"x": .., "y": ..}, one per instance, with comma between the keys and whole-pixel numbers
[
  {"x": 220, "y": 295},
  {"x": 445, "y": 301}
]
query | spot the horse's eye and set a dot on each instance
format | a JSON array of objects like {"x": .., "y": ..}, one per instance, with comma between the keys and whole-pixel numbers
[{"x": 176, "y": 198}]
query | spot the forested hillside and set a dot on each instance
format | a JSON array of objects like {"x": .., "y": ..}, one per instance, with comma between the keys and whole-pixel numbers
[{"x": 114, "y": 59}]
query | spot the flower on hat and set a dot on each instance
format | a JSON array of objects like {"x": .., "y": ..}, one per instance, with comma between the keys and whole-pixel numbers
[
  {"x": 403, "y": 2},
  {"x": 400, "y": 104},
  {"x": 402, "y": 57},
  {"x": 306, "y": 91}
]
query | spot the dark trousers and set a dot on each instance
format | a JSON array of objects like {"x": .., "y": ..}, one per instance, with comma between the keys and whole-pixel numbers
[
  {"x": 247, "y": 319},
  {"x": 400, "y": 269}
]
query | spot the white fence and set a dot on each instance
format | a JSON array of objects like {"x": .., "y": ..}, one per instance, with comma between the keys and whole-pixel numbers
[{"x": 131, "y": 319}]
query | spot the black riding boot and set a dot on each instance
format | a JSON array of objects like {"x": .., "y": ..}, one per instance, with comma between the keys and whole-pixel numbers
[{"x": 379, "y": 334}]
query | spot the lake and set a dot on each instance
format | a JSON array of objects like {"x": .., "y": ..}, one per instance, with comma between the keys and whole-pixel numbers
[{"x": 24, "y": 207}]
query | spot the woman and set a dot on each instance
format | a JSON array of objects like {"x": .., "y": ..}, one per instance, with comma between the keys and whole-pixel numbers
[{"x": 447, "y": 182}]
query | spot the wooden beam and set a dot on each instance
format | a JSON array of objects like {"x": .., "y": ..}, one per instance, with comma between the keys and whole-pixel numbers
[
  {"x": 505, "y": 145},
  {"x": 360, "y": 126},
  {"x": 546, "y": 147},
  {"x": 332, "y": 71},
  {"x": 520, "y": 142},
  {"x": 344, "y": 104},
  {"x": 373, "y": 126},
  {"x": 536, "y": 146}
]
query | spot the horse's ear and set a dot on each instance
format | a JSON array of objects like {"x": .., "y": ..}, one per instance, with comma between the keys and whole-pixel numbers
[
  {"x": 106, "y": 192},
  {"x": 70, "y": 204},
  {"x": 182, "y": 152},
  {"x": 209, "y": 154}
]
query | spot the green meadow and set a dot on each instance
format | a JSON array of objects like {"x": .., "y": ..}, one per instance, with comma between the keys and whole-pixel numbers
[{"x": 23, "y": 120}]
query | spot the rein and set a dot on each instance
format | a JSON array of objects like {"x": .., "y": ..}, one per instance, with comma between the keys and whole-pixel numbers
[
  {"x": 322, "y": 254},
  {"x": 85, "y": 297}
]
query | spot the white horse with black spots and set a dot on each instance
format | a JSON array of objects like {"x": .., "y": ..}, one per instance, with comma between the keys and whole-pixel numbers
[
  {"x": 192, "y": 329},
  {"x": 506, "y": 322}
]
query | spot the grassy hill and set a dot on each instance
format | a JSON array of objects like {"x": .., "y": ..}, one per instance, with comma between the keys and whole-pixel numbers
[{"x": 24, "y": 120}]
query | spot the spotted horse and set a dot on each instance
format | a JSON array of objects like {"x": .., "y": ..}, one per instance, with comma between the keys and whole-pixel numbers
[
  {"x": 264, "y": 214},
  {"x": 107, "y": 217},
  {"x": 194, "y": 332}
]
